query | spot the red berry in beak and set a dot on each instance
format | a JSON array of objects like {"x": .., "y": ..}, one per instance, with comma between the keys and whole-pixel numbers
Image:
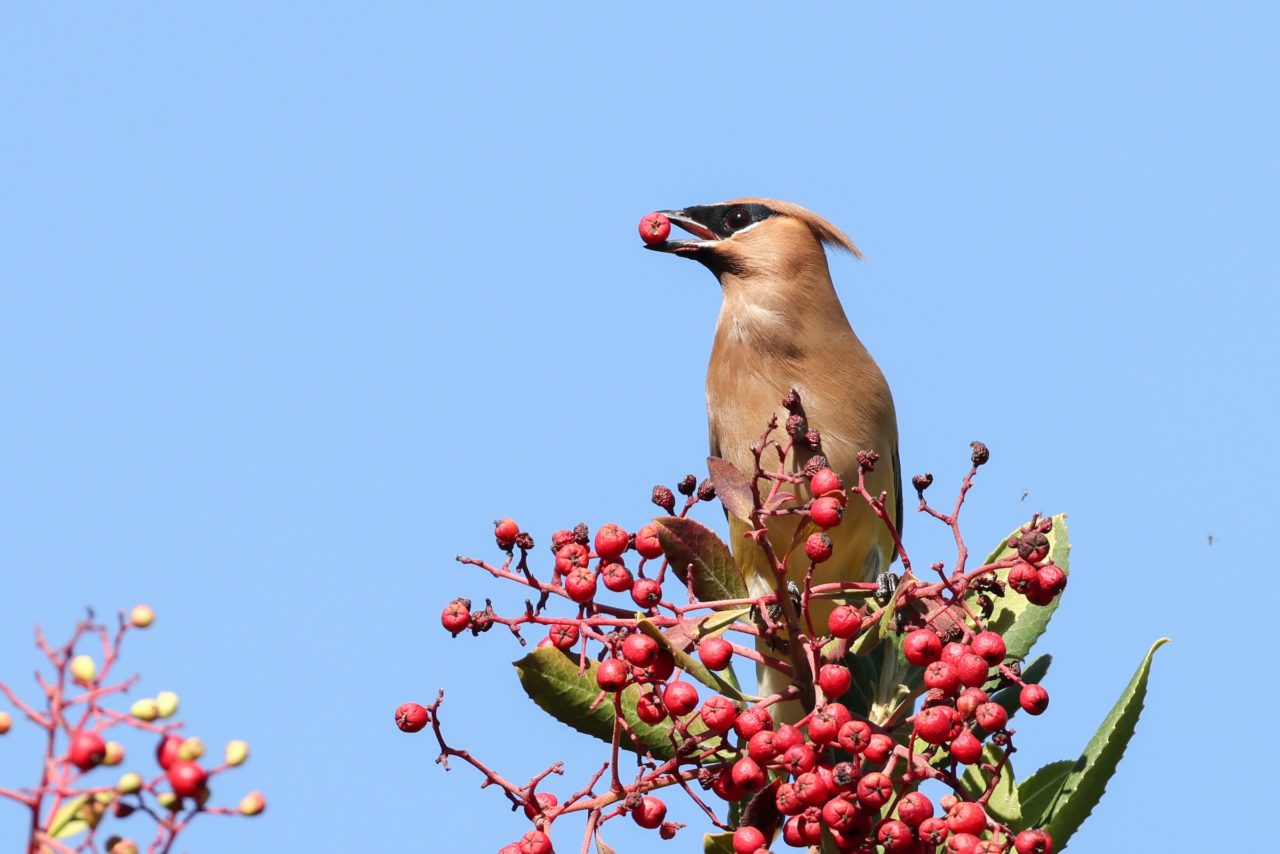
[{"x": 654, "y": 228}]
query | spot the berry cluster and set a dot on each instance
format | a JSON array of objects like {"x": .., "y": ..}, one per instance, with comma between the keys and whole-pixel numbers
[
  {"x": 69, "y": 805},
  {"x": 843, "y": 770}
]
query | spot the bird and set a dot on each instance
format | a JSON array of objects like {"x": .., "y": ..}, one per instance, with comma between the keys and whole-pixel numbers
[{"x": 781, "y": 327}]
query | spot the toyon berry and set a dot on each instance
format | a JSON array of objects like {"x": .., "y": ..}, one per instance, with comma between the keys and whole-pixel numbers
[
  {"x": 963, "y": 843},
  {"x": 895, "y": 836},
  {"x": 141, "y": 616},
  {"x": 661, "y": 669},
  {"x": 252, "y": 804},
  {"x": 973, "y": 670},
  {"x": 799, "y": 759},
  {"x": 854, "y": 736},
  {"x": 824, "y": 725},
  {"x": 1033, "y": 699},
  {"x": 646, "y": 592},
  {"x": 616, "y": 577},
  {"x": 611, "y": 542},
  {"x": 826, "y": 512},
  {"x": 966, "y": 748},
  {"x": 763, "y": 746},
  {"x": 844, "y": 622},
  {"x": 811, "y": 789},
  {"x": 167, "y": 750},
  {"x": 748, "y": 840},
  {"x": 1033, "y": 546},
  {"x": 942, "y": 676},
  {"x": 878, "y": 748},
  {"x": 914, "y": 808},
  {"x": 640, "y": 650},
  {"x": 834, "y": 679},
  {"x": 651, "y": 813},
  {"x": 1052, "y": 579},
  {"x": 933, "y": 831},
  {"x": 572, "y": 556},
  {"x": 718, "y": 713},
  {"x": 934, "y": 724},
  {"x": 839, "y": 814},
  {"x": 647, "y": 542},
  {"x": 824, "y": 481},
  {"x": 87, "y": 750},
  {"x": 654, "y": 228},
  {"x": 752, "y": 721},
  {"x": 1024, "y": 578},
  {"x": 505, "y": 532},
  {"x": 724, "y": 787},
  {"x": 686, "y": 485},
  {"x": 967, "y": 817},
  {"x": 787, "y": 801},
  {"x": 649, "y": 708},
  {"x": 715, "y": 653},
  {"x": 969, "y": 700},
  {"x": 680, "y": 698},
  {"x": 6, "y": 722},
  {"x": 748, "y": 775},
  {"x": 991, "y": 716},
  {"x": 788, "y": 737},
  {"x": 613, "y": 674},
  {"x": 1033, "y": 842},
  {"x": 535, "y": 842},
  {"x": 922, "y": 647},
  {"x": 875, "y": 789},
  {"x": 580, "y": 585},
  {"x": 560, "y": 539},
  {"x": 456, "y": 616},
  {"x": 818, "y": 547},
  {"x": 664, "y": 498},
  {"x": 564, "y": 635},
  {"x": 545, "y": 801},
  {"x": 187, "y": 778},
  {"x": 990, "y": 646},
  {"x": 411, "y": 717}
]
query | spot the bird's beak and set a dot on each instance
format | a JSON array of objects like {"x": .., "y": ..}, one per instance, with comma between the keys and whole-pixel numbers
[{"x": 688, "y": 248}]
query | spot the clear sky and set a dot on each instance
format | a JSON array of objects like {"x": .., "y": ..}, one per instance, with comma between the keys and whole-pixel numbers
[{"x": 296, "y": 298}]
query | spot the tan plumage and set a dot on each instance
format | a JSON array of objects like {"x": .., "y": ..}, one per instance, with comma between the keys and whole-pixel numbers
[{"x": 782, "y": 326}]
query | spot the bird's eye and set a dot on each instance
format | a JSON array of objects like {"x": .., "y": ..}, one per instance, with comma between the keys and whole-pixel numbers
[{"x": 737, "y": 218}]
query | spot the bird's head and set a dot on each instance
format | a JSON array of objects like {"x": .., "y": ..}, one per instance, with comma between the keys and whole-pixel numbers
[{"x": 747, "y": 238}]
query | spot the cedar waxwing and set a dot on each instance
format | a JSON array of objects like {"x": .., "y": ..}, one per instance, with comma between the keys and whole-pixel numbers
[{"x": 781, "y": 327}]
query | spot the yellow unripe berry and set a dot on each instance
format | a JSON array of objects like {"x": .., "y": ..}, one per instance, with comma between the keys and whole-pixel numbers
[
  {"x": 129, "y": 783},
  {"x": 191, "y": 749},
  {"x": 166, "y": 703},
  {"x": 6, "y": 722},
  {"x": 114, "y": 754},
  {"x": 145, "y": 709},
  {"x": 237, "y": 752},
  {"x": 142, "y": 616},
  {"x": 83, "y": 669},
  {"x": 252, "y": 803}
]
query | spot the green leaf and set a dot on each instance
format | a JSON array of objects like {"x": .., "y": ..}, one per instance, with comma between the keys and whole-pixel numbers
[
  {"x": 551, "y": 680},
  {"x": 1039, "y": 792},
  {"x": 1020, "y": 622},
  {"x": 66, "y": 822},
  {"x": 1003, "y": 804},
  {"x": 733, "y": 488},
  {"x": 717, "y": 843},
  {"x": 688, "y": 543},
  {"x": 691, "y": 665},
  {"x": 1087, "y": 782}
]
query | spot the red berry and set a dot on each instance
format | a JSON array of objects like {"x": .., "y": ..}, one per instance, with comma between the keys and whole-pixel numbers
[
  {"x": 824, "y": 725},
  {"x": 1024, "y": 578},
  {"x": 616, "y": 577},
  {"x": 969, "y": 700},
  {"x": 724, "y": 787},
  {"x": 546, "y": 801},
  {"x": 788, "y": 737},
  {"x": 651, "y": 813},
  {"x": 1040, "y": 596},
  {"x": 661, "y": 669},
  {"x": 839, "y": 813},
  {"x": 647, "y": 542},
  {"x": 187, "y": 778},
  {"x": 680, "y": 698},
  {"x": 967, "y": 817},
  {"x": 914, "y": 808},
  {"x": 963, "y": 843},
  {"x": 561, "y": 538},
  {"x": 752, "y": 721},
  {"x": 826, "y": 512},
  {"x": 991, "y": 716},
  {"x": 564, "y": 635},
  {"x": 875, "y": 789},
  {"x": 933, "y": 831},
  {"x": 640, "y": 649},
  {"x": 611, "y": 542},
  {"x": 718, "y": 713},
  {"x": 646, "y": 592},
  {"x": 972, "y": 670},
  {"x": 895, "y": 836},
  {"x": 811, "y": 789},
  {"x": 748, "y": 774},
  {"x": 791, "y": 833},
  {"x": 535, "y": 842},
  {"x": 167, "y": 751},
  {"x": 990, "y": 646},
  {"x": 1033, "y": 699},
  {"x": 580, "y": 584},
  {"x": 763, "y": 746},
  {"x": 411, "y": 717},
  {"x": 715, "y": 653},
  {"x": 878, "y": 748},
  {"x": 844, "y": 622},
  {"x": 88, "y": 750},
  {"x": 788, "y": 801},
  {"x": 966, "y": 748},
  {"x": 1033, "y": 842},
  {"x": 824, "y": 481},
  {"x": 934, "y": 724},
  {"x": 818, "y": 547},
  {"x": 942, "y": 676},
  {"x": 456, "y": 616},
  {"x": 1052, "y": 579},
  {"x": 854, "y": 736},
  {"x": 799, "y": 759},
  {"x": 921, "y": 647},
  {"x": 748, "y": 840},
  {"x": 572, "y": 556},
  {"x": 613, "y": 674},
  {"x": 649, "y": 708},
  {"x": 506, "y": 531},
  {"x": 953, "y": 652},
  {"x": 654, "y": 228},
  {"x": 834, "y": 679}
]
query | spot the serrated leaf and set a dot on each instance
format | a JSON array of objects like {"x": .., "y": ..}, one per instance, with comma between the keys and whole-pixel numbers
[
  {"x": 717, "y": 843},
  {"x": 1039, "y": 792},
  {"x": 1016, "y": 619},
  {"x": 1003, "y": 803},
  {"x": 688, "y": 543},
  {"x": 66, "y": 821},
  {"x": 551, "y": 680},
  {"x": 733, "y": 487},
  {"x": 1086, "y": 784},
  {"x": 691, "y": 665}
]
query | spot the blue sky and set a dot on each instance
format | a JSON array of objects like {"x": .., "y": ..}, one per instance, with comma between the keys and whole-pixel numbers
[{"x": 294, "y": 300}]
